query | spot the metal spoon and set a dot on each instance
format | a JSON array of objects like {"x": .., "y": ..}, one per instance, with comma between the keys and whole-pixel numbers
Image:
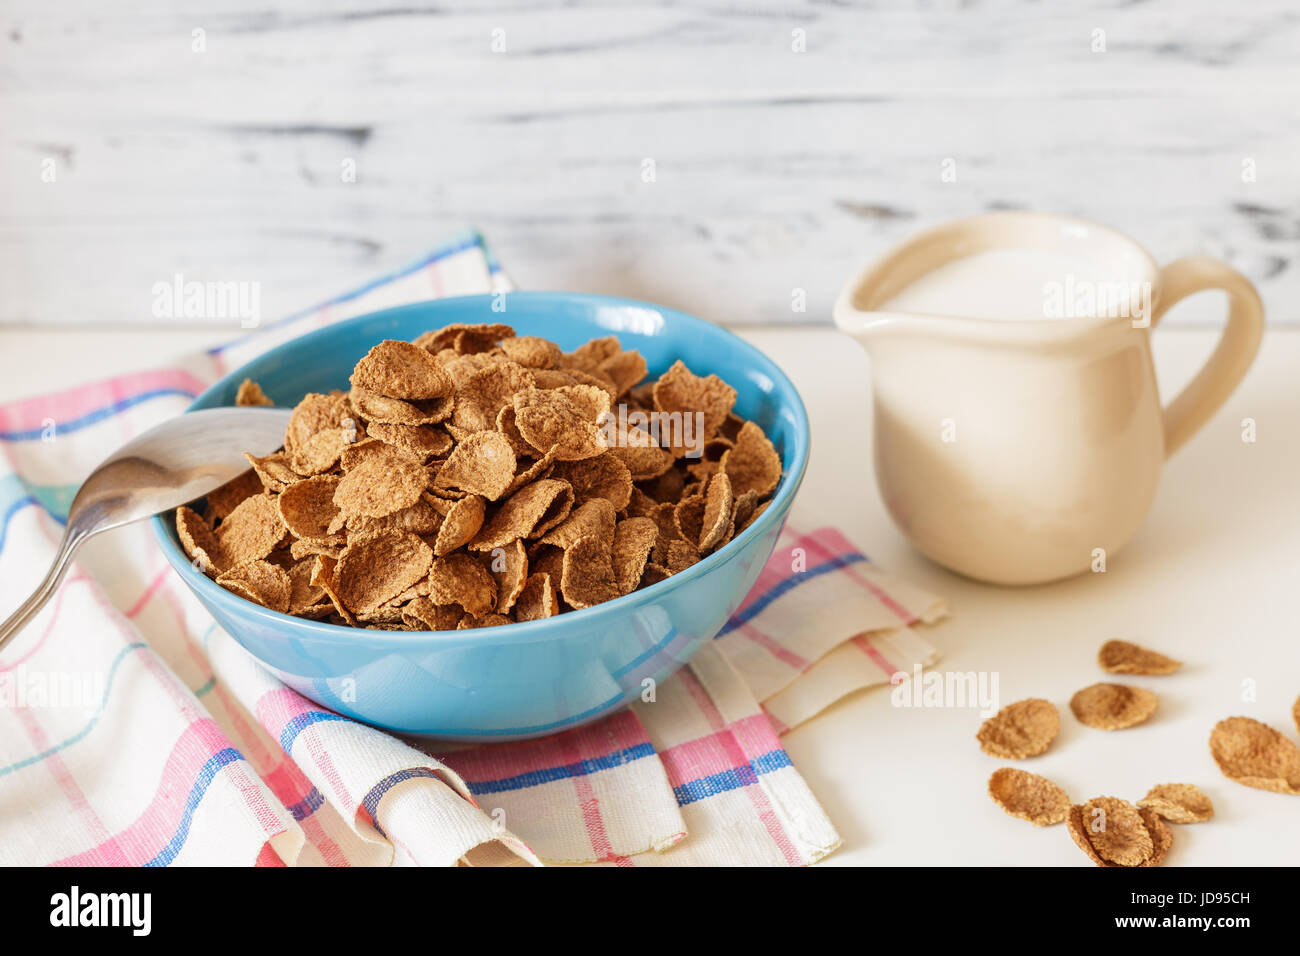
[{"x": 173, "y": 463}]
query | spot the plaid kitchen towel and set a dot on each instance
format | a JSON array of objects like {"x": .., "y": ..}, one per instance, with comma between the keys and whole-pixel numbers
[{"x": 135, "y": 731}]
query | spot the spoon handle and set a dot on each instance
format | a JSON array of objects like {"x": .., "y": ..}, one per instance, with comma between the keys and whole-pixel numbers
[{"x": 72, "y": 539}]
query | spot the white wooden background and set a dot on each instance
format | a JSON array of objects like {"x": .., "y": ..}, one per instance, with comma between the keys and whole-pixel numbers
[{"x": 774, "y": 169}]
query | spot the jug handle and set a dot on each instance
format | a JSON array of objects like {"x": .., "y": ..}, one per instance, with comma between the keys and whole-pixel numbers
[{"x": 1232, "y": 357}]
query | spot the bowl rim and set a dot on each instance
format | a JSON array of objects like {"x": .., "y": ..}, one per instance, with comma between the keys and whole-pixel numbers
[{"x": 517, "y": 631}]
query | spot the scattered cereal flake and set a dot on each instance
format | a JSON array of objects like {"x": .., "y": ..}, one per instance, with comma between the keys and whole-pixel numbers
[
  {"x": 1020, "y": 730},
  {"x": 380, "y": 485},
  {"x": 377, "y": 567},
  {"x": 537, "y": 600},
  {"x": 1074, "y": 826},
  {"x": 587, "y": 576},
  {"x": 482, "y": 464},
  {"x": 402, "y": 370},
  {"x": 1178, "y": 803},
  {"x": 482, "y": 396},
  {"x": 200, "y": 543},
  {"x": 717, "y": 524},
  {"x": 753, "y": 464},
  {"x": 1121, "y": 657},
  {"x": 307, "y": 508},
  {"x": 603, "y": 476},
  {"x": 463, "y": 521},
  {"x": 1113, "y": 706},
  {"x": 531, "y": 351},
  {"x": 634, "y": 539},
  {"x": 564, "y": 419},
  {"x": 1162, "y": 837},
  {"x": 595, "y": 518},
  {"x": 1256, "y": 755},
  {"x": 251, "y": 394},
  {"x": 457, "y": 578},
  {"x": 530, "y": 512},
  {"x": 260, "y": 581},
  {"x": 1116, "y": 831},
  {"x": 1029, "y": 796},
  {"x": 252, "y": 531}
]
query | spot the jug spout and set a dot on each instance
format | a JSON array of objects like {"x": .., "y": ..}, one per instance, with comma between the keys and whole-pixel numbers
[
  {"x": 872, "y": 329},
  {"x": 866, "y": 327}
]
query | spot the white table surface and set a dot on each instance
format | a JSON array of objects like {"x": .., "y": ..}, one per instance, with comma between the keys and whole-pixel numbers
[{"x": 1210, "y": 579}]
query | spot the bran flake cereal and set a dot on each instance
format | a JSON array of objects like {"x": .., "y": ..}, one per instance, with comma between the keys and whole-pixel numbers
[
  {"x": 1020, "y": 730},
  {"x": 1178, "y": 803},
  {"x": 1112, "y": 832},
  {"x": 1029, "y": 796},
  {"x": 1113, "y": 706},
  {"x": 1121, "y": 657},
  {"x": 476, "y": 478},
  {"x": 1256, "y": 755}
]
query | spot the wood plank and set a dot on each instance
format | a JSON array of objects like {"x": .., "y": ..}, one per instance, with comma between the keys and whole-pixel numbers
[{"x": 774, "y": 170}]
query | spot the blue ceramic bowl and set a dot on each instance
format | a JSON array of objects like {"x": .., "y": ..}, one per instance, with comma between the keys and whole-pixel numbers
[{"x": 533, "y": 678}]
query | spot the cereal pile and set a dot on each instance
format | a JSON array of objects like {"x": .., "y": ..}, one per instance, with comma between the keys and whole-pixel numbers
[{"x": 475, "y": 477}]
